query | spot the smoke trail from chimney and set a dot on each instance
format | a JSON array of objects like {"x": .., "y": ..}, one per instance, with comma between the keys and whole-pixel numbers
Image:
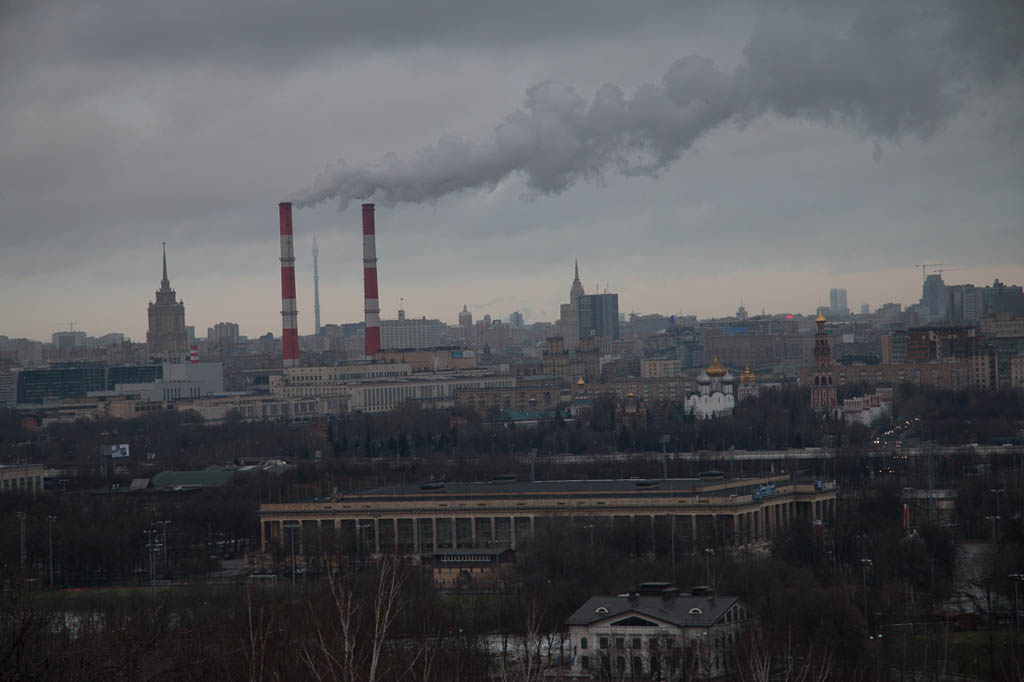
[{"x": 894, "y": 69}]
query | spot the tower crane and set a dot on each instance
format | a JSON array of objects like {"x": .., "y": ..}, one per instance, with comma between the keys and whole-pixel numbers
[{"x": 923, "y": 266}]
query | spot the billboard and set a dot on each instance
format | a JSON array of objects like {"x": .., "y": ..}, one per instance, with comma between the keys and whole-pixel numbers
[
  {"x": 116, "y": 451},
  {"x": 462, "y": 354}
]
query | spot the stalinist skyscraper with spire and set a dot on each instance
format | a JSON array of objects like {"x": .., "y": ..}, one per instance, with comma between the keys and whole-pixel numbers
[
  {"x": 166, "y": 319},
  {"x": 569, "y": 314}
]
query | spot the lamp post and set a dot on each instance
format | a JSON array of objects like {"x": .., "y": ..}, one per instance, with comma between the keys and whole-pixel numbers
[
  {"x": 49, "y": 532},
  {"x": 993, "y": 519},
  {"x": 672, "y": 542},
  {"x": 1016, "y": 578},
  {"x": 664, "y": 440},
  {"x": 164, "y": 524},
  {"x": 21, "y": 519},
  {"x": 997, "y": 492},
  {"x": 150, "y": 546},
  {"x": 865, "y": 564},
  {"x": 291, "y": 527},
  {"x": 590, "y": 527}
]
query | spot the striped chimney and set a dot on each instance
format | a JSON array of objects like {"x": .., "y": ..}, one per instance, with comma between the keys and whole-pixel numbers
[
  {"x": 372, "y": 308},
  {"x": 289, "y": 313},
  {"x": 193, "y": 354}
]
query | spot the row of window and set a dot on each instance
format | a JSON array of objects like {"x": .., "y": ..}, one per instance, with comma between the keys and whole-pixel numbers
[{"x": 23, "y": 483}]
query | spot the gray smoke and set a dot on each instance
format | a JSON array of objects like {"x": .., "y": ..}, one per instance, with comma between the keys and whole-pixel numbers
[{"x": 890, "y": 70}]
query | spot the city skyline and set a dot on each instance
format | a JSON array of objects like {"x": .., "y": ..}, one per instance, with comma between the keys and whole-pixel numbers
[
  {"x": 498, "y": 309},
  {"x": 106, "y": 156}
]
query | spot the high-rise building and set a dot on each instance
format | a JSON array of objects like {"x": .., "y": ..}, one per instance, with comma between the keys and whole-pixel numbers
[
  {"x": 837, "y": 302},
  {"x": 568, "y": 320},
  {"x": 933, "y": 298},
  {"x": 599, "y": 316},
  {"x": 865, "y": 309},
  {"x": 515, "y": 319},
  {"x": 406, "y": 333},
  {"x": 223, "y": 335},
  {"x": 466, "y": 319},
  {"x": 166, "y": 319}
]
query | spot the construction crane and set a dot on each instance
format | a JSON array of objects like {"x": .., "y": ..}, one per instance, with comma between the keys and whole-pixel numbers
[
  {"x": 71, "y": 325},
  {"x": 923, "y": 266},
  {"x": 942, "y": 270}
]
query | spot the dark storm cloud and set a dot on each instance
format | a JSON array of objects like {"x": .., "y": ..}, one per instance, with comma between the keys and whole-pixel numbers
[{"x": 893, "y": 70}]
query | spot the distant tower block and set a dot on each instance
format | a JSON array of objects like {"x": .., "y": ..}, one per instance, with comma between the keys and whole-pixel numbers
[
  {"x": 289, "y": 312},
  {"x": 372, "y": 298}
]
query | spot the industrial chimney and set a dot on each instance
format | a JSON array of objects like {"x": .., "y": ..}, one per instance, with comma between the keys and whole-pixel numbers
[
  {"x": 372, "y": 308},
  {"x": 289, "y": 313}
]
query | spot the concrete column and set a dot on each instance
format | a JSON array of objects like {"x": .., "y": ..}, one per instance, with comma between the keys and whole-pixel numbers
[
  {"x": 693, "y": 528},
  {"x": 494, "y": 534},
  {"x": 416, "y": 546},
  {"x": 512, "y": 531},
  {"x": 376, "y": 536},
  {"x": 533, "y": 527},
  {"x": 472, "y": 530},
  {"x": 263, "y": 535},
  {"x": 433, "y": 529}
]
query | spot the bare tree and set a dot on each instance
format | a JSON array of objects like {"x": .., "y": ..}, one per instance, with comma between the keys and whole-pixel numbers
[
  {"x": 351, "y": 645},
  {"x": 761, "y": 658}
]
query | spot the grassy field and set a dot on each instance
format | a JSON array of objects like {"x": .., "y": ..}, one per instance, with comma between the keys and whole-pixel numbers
[{"x": 984, "y": 654}]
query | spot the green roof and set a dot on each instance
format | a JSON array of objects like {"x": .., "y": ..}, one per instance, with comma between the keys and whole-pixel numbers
[{"x": 210, "y": 477}]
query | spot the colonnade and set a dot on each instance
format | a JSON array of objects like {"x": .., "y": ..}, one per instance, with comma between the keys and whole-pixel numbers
[{"x": 430, "y": 532}]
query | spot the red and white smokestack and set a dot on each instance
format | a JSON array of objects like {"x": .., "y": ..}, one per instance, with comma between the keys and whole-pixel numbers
[
  {"x": 289, "y": 313},
  {"x": 372, "y": 306},
  {"x": 193, "y": 354}
]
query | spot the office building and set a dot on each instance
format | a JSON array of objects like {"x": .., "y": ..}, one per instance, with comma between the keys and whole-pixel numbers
[
  {"x": 598, "y": 316},
  {"x": 406, "y": 333},
  {"x": 837, "y": 302}
]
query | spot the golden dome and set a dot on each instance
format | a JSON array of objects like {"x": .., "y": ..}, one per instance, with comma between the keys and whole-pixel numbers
[
  {"x": 747, "y": 375},
  {"x": 821, "y": 318},
  {"x": 715, "y": 369},
  {"x": 581, "y": 382},
  {"x": 630, "y": 395}
]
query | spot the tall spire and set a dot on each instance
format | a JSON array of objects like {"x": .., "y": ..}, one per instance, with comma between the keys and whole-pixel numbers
[
  {"x": 577, "y": 287},
  {"x": 316, "y": 289},
  {"x": 165, "y": 283}
]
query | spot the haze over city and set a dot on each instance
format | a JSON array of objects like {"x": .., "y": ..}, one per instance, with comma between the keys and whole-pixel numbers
[{"x": 698, "y": 180}]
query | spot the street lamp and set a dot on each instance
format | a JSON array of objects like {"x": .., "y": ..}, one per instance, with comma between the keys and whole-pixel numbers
[
  {"x": 997, "y": 492},
  {"x": 21, "y": 519},
  {"x": 590, "y": 527},
  {"x": 165, "y": 524},
  {"x": 664, "y": 440},
  {"x": 1016, "y": 578},
  {"x": 50, "y": 519},
  {"x": 150, "y": 547},
  {"x": 993, "y": 519},
  {"x": 291, "y": 527},
  {"x": 865, "y": 564}
]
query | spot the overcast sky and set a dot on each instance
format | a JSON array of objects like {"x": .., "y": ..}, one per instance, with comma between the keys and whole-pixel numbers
[{"x": 690, "y": 155}]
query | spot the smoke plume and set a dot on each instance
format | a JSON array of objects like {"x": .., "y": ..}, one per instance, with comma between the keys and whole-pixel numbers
[{"x": 891, "y": 70}]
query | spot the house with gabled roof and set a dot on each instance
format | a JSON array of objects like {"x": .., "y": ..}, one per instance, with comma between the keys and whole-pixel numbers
[{"x": 656, "y": 631}]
